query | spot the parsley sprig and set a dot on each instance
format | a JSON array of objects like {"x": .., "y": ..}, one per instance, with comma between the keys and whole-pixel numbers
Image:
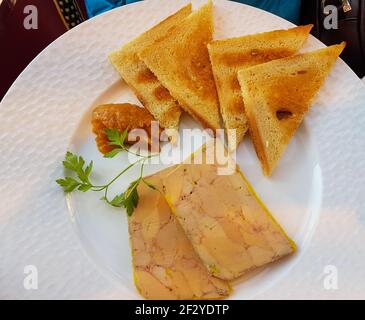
[{"x": 81, "y": 172}]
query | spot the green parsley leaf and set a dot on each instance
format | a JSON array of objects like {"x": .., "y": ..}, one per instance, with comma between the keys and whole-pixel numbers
[
  {"x": 113, "y": 137},
  {"x": 118, "y": 201},
  {"x": 76, "y": 164},
  {"x": 131, "y": 197},
  {"x": 68, "y": 184},
  {"x": 151, "y": 186},
  {"x": 116, "y": 139},
  {"x": 88, "y": 169},
  {"x": 85, "y": 187},
  {"x": 113, "y": 153},
  {"x": 123, "y": 137}
]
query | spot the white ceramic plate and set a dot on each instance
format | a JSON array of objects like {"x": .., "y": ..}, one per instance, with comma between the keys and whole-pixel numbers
[{"x": 80, "y": 247}]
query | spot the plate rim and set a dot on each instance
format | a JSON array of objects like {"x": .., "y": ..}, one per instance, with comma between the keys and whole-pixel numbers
[{"x": 17, "y": 82}]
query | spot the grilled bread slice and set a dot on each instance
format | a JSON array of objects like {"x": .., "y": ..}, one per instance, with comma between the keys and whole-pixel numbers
[
  {"x": 155, "y": 98},
  {"x": 181, "y": 62},
  {"x": 277, "y": 96},
  {"x": 230, "y": 55}
]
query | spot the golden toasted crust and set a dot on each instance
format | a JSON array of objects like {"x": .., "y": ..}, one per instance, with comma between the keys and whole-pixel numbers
[
  {"x": 145, "y": 85},
  {"x": 277, "y": 96},
  {"x": 230, "y": 55},
  {"x": 180, "y": 61}
]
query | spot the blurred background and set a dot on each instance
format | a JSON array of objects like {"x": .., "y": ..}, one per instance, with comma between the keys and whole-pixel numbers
[{"x": 22, "y": 36}]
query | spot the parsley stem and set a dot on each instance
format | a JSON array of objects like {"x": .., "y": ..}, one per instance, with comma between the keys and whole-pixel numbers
[
  {"x": 129, "y": 199},
  {"x": 130, "y": 152},
  {"x": 120, "y": 174},
  {"x": 132, "y": 189},
  {"x": 143, "y": 160},
  {"x": 101, "y": 188}
]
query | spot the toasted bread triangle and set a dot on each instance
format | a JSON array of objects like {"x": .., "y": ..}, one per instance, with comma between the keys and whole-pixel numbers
[
  {"x": 230, "y": 55},
  {"x": 181, "y": 62},
  {"x": 277, "y": 96},
  {"x": 155, "y": 98}
]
